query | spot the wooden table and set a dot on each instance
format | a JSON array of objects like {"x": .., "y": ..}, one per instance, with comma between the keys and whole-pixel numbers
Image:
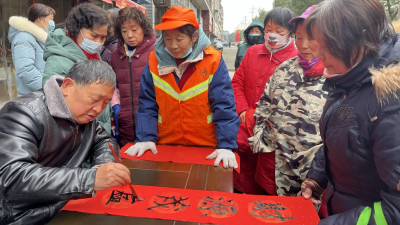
[{"x": 163, "y": 174}]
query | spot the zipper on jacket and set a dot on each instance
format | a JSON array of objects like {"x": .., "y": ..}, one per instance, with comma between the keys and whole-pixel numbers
[{"x": 130, "y": 53}]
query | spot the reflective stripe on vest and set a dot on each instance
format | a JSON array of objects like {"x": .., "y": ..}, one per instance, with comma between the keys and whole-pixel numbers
[
  {"x": 378, "y": 215},
  {"x": 186, "y": 95},
  {"x": 364, "y": 216},
  {"x": 159, "y": 118},
  {"x": 209, "y": 118}
]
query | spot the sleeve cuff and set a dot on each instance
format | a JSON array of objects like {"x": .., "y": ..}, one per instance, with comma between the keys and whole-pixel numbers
[{"x": 317, "y": 190}]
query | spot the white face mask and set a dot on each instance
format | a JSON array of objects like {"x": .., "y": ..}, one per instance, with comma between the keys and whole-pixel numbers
[
  {"x": 278, "y": 39},
  {"x": 90, "y": 46}
]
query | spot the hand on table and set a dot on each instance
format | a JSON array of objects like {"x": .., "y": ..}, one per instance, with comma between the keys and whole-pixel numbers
[
  {"x": 141, "y": 147},
  {"x": 227, "y": 156},
  {"x": 111, "y": 175}
]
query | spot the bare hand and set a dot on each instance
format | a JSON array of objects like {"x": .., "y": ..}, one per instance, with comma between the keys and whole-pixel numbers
[
  {"x": 111, "y": 175},
  {"x": 242, "y": 117},
  {"x": 307, "y": 194}
]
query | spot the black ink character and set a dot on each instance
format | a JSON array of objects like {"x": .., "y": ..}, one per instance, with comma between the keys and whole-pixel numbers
[
  {"x": 220, "y": 207},
  {"x": 264, "y": 210},
  {"x": 116, "y": 197},
  {"x": 170, "y": 203}
]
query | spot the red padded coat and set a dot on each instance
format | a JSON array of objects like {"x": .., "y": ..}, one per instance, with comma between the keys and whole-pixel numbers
[{"x": 248, "y": 86}]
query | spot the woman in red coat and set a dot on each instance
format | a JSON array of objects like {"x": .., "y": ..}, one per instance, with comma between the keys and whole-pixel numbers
[
  {"x": 248, "y": 83},
  {"x": 136, "y": 41}
]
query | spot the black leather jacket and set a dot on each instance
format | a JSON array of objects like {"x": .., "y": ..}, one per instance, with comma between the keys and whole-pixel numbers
[{"x": 41, "y": 159}]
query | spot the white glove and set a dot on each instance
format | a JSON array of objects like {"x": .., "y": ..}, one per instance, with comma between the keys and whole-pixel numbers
[
  {"x": 227, "y": 157},
  {"x": 140, "y": 147}
]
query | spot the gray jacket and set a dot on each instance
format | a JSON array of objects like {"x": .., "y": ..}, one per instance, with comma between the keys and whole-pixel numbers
[
  {"x": 42, "y": 153},
  {"x": 27, "y": 45}
]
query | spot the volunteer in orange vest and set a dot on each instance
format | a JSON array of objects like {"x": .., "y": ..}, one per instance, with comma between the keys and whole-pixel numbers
[{"x": 186, "y": 97}]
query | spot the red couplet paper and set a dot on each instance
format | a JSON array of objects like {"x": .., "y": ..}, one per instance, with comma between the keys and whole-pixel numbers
[
  {"x": 199, "y": 206},
  {"x": 177, "y": 154}
]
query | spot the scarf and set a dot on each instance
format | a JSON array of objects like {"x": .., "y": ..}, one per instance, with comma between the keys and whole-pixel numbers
[{"x": 306, "y": 64}]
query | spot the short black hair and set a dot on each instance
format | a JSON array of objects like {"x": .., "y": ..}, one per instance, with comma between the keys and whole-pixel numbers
[
  {"x": 38, "y": 10},
  {"x": 87, "y": 16},
  {"x": 281, "y": 16},
  {"x": 90, "y": 71}
]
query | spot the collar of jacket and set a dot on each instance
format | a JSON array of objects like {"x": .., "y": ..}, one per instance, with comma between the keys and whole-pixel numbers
[
  {"x": 140, "y": 48},
  {"x": 23, "y": 24},
  {"x": 280, "y": 55},
  {"x": 181, "y": 68},
  {"x": 55, "y": 99},
  {"x": 356, "y": 76}
]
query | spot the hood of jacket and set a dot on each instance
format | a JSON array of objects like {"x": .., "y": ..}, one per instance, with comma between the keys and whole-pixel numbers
[
  {"x": 166, "y": 60},
  {"x": 387, "y": 79},
  {"x": 386, "y": 82},
  {"x": 22, "y": 24},
  {"x": 58, "y": 43},
  {"x": 255, "y": 23}
]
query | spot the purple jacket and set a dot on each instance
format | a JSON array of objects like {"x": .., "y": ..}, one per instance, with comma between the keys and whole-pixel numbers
[
  {"x": 108, "y": 47},
  {"x": 120, "y": 64}
]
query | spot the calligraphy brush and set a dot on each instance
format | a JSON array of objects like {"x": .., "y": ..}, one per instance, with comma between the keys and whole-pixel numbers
[{"x": 130, "y": 185}]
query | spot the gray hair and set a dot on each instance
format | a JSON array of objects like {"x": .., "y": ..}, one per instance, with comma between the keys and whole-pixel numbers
[
  {"x": 113, "y": 14},
  {"x": 91, "y": 71}
]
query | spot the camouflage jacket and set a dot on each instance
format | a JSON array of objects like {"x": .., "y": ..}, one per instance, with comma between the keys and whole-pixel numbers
[{"x": 287, "y": 121}]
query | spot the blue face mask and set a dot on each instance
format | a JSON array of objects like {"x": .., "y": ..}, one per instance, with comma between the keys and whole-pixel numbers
[
  {"x": 51, "y": 26},
  {"x": 90, "y": 46},
  {"x": 184, "y": 56}
]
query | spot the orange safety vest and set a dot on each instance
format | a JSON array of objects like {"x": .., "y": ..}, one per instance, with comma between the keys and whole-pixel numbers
[{"x": 184, "y": 116}]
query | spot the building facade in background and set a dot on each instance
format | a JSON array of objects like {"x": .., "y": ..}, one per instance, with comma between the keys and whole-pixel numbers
[{"x": 209, "y": 14}]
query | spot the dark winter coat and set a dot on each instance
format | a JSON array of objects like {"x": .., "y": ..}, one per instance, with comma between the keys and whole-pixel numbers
[
  {"x": 42, "y": 153},
  {"x": 360, "y": 131},
  {"x": 242, "y": 49},
  {"x": 109, "y": 46},
  {"x": 120, "y": 64}
]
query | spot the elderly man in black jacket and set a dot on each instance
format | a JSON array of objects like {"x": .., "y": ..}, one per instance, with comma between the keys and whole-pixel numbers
[{"x": 47, "y": 136}]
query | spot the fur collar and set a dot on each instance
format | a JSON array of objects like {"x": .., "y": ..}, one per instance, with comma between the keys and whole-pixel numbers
[
  {"x": 23, "y": 24},
  {"x": 386, "y": 82},
  {"x": 55, "y": 99}
]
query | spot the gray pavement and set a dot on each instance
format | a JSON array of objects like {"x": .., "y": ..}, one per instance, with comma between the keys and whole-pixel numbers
[{"x": 229, "y": 55}]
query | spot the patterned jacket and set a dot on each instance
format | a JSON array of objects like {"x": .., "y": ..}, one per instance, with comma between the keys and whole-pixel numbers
[{"x": 287, "y": 118}]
